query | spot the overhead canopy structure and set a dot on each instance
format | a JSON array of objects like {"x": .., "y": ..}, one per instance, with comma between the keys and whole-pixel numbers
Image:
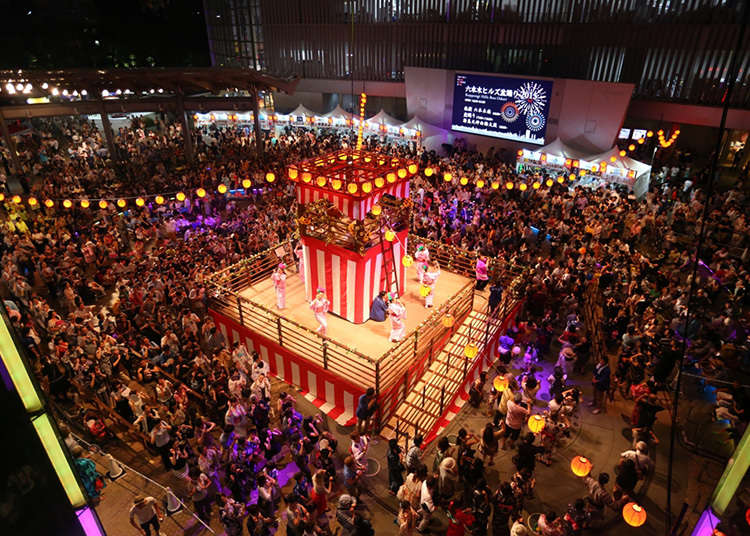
[
  {"x": 382, "y": 119},
  {"x": 338, "y": 113},
  {"x": 560, "y": 148},
  {"x": 432, "y": 137},
  {"x": 620, "y": 162}
]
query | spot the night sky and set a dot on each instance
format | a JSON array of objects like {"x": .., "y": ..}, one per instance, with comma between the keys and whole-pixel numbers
[{"x": 100, "y": 33}]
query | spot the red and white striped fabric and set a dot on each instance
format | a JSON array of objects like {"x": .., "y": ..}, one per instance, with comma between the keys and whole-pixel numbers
[
  {"x": 351, "y": 206},
  {"x": 351, "y": 281}
]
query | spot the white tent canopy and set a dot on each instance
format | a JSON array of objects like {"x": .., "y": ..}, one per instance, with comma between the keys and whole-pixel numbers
[
  {"x": 338, "y": 113},
  {"x": 560, "y": 148},
  {"x": 621, "y": 162},
  {"x": 432, "y": 137},
  {"x": 382, "y": 118},
  {"x": 301, "y": 110}
]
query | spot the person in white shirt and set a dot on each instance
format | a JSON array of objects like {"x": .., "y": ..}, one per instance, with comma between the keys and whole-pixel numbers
[
  {"x": 426, "y": 504},
  {"x": 259, "y": 367},
  {"x": 145, "y": 514}
]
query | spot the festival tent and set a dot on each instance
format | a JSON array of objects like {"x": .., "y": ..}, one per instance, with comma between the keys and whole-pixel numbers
[
  {"x": 554, "y": 154},
  {"x": 623, "y": 170},
  {"x": 301, "y": 115},
  {"x": 338, "y": 117},
  {"x": 383, "y": 122},
  {"x": 432, "y": 137}
]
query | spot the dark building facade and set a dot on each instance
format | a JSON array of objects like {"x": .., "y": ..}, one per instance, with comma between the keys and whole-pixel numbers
[{"x": 672, "y": 50}]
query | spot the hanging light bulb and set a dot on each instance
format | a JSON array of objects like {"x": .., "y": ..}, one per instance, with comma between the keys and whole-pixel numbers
[
  {"x": 180, "y": 196},
  {"x": 140, "y": 201},
  {"x": 67, "y": 203},
  {"x": 85, "y": 203},
  {"x": 49, "y": 203},
  {"x": 121, "y": 203},
  {"x": 159, "y": 200},
  {"x": 102, "y": 204},
  {"x": 246, "y": 183},
  {"x": 222, "y": 188},
  {"x": 200, "y": 192}
]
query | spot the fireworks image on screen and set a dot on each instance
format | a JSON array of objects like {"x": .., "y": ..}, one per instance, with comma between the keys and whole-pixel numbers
[{"x": 530, "y": 98}]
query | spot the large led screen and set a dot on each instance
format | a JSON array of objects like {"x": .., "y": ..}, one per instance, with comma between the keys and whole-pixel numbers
[{"x": 501, "y": 107}]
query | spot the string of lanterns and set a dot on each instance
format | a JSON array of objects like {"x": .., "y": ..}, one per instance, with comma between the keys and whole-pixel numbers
[
  {"x": 123, "y": 201},
  {"x": 509, "y": 185}
]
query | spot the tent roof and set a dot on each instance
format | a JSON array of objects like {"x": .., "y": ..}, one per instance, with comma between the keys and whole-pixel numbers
[
  {"x": 560, "y": 148},
  {"x": 338, "y": 111},
  {"x": 301, "y": 110},
  {"x": 428, "y": 130},
  {"x": 382, "y": 118},
  {"x": 624, "y": 162}
]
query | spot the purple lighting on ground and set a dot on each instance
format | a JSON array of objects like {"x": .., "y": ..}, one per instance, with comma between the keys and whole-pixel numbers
[
  {"x": 88, "y": 521},
  {"x": 706, "y": 524}
]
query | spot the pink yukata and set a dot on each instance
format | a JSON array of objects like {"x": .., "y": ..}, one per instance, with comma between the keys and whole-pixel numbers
[
  {"x": 320, "y": 308},
  {"x": 279, "y": 283},
  {"x": 422, "y": 256},
  {"x": 429, "y": 279},
  {"x": 398, "y": 326}
]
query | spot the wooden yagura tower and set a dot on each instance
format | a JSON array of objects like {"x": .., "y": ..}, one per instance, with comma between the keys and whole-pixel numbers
[{"x": 353, "y": 217}]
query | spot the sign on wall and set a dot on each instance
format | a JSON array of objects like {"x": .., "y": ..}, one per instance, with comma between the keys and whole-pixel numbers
[{"x": 501, "y": 107}]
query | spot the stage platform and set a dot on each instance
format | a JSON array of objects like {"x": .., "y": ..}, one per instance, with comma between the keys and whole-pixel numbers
[{"x": 369, "y": 338}]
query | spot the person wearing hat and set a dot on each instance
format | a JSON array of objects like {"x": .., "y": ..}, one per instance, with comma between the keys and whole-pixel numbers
[
  {"x": 145, "y": 514},
  {"x": 279, "y": 284},
  {"x": 320, "y": 306},
  {"x": 397, "y": 312},
  {"x": 422, "y": 256}
]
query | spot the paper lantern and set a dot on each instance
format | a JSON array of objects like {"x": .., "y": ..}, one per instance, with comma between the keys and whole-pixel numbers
[
  {"x": 246, "y": 183},
  {"x": 367, "y": 187},
  {"x": 321, "y": 181},
  {"x": 471, "y": 350},
  {"x": 17, "y": 199},
  {"x": 660, "y": 132},
  {"x": 509, "y": 185},
  {"x": 463, "y": 181},
  {"x": 480, "y": 183},
  {"x": 522, "y": 186},
  {"x": 634, "y": 514},
  {"x": 448, "y": 320},
  {"x": 180, "y": 196},
  {"x": 32, "y": 201},
  {"x": 576, "y": 163},
  {"x": 401, "y": 173},
  {"x": 376, "y": 210},
  {"x": 159, "y": 200},
  {"x": 306, "y": 176},
  {"x": 580, "y": 466},
  {"x": 49, "y": 203},
  {"x": 293, "y": 173},
  {"x": 560, "y": 179},
  {"x": 594, "y": 168},
  {"x": 391, "y": 177},
  {"x": 200, "y": 192},
  {"x": 428, "y": 172},
  {"x": 613, "y": 158},
  {"x": 379, "y": 182},
  {"x": 649, "y": 133},
  {"x": 536, "y": 423},
  {"x": 407, "y": 260},
  {"x": 631, "y": 147},
  {"x": 85, "y": 203},
  {"x": 500, "y": 383},
  {"x": 336, "y": 184},
  {"x": 2, "y": 196},
  {"x": 549, "y": 182},
  {"x": 495, "y": 185},
  {"x": 424, "y": 291},
  {"x": 572, "y": 176},
  {"x": 520, "y": 152},
  {"x": 121, "y": 202},
  {"x": 641, "y": 140},
  {"x": 447, "y": 177},
  {"x": 413, "y": 168},
  {"x": 390, "y": 235},
  {"x": 747, "y": 516},
  {"x": 102, "y": 204},
  {"x": 67, "y": 203},
  {"x": 536, "y": 185},
  {"x": 623, "y": 152},
  {"x": 270, "y": 177},
  {"x": 140, "y": 202},
  {"x": 676, "y": 132},
  {"x": 222, "y": 188},
  {"x": 351, "y": 187}
]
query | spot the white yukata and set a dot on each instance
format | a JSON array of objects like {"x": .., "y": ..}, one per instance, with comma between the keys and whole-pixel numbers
[
  {"x": 429, "y": 279},
  {"x": 279, "y": 283},
  {"x": 320, "y": 308},
  {"x": 398, "y": 326},
  {"x": 422, "y": 257}
]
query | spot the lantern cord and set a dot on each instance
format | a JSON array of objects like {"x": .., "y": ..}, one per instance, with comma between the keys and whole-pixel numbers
[{"x": 732, "y": 77}]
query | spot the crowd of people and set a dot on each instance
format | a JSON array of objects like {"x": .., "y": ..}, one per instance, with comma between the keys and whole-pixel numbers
[{"x": 110, "y": 304}]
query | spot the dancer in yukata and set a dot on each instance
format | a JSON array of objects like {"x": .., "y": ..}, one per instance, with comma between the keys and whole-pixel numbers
[
  {"x": 320, "y": 306},
  {"x": 481, "y": 273},
  {"x": 397, "y": 312},
  {"x": 300, "y": 253},
  {"x": 422, "y": 256},
  {"x": 279, "y": 283},
  {"x": 429, "y": 279}
]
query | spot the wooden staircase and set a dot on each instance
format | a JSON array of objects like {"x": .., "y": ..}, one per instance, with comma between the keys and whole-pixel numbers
[{"x": 446, "y": 378}]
